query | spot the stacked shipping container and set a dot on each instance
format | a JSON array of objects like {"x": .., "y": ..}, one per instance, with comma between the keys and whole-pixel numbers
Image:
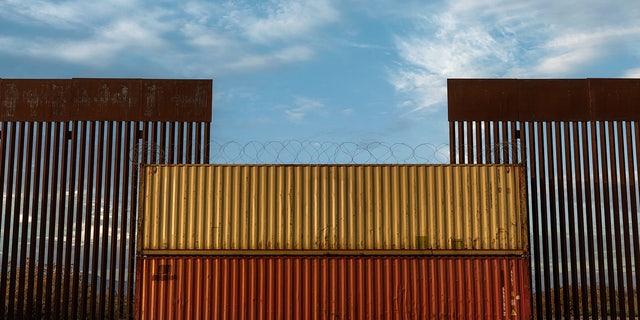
[
  {"x": 340, "y": 241},
  {"x": 336, "y": 287}
]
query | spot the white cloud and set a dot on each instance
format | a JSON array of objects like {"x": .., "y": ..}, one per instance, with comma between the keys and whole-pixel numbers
[
  {"x": 423, "y": 90},
  {"x": 66, "y": 15},
  {"x": 253, "y": 61},
  {"x": 632, "y": 73},
  {"x": 239, "y": 37},
  {"x": 471, "y": 39},
  {"x": 123, "y": 37},
  {"x": 196, "y": 38},
  {"x": 570, "y": 51},
  {"x": 88, "y": 52},
  {"x": 81, "y": 33},
  {"x": 451, "y": 53},
  {"x": 289, "y": 19},
  {"x": 303, "y": 106},
  {"x": 10, "y": 44},
  {"x": 54, "y": 14},
  {"x": 133, "y": 33},
  {"x": 565, "y": 62},
  {"x": 449, "y": 45},
  {"x": 200, "y": 36},
  {"x": 347, "y": 111}
]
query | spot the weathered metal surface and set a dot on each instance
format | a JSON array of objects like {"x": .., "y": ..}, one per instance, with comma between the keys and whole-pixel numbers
[
  {"x": 341, "y": 209},
  {"x": 67, "y": 224},
  {"x": 105, "y": 100},
  {"x": 615, "y": 99},
  {"x": 543, "y": 100},
  {"x": 582, "y": 203},
  {"x": 283, "y": 287}
]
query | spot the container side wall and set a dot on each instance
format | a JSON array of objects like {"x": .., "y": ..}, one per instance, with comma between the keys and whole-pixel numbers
[
  {"x": 280, "y": 287},
  {"x": 210, "y": 208}
]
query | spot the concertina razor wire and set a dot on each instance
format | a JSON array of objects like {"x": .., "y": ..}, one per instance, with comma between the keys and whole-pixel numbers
[{"x": 316, "y": 152}]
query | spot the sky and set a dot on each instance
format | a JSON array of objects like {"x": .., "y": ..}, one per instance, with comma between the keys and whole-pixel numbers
[{"x": 322, "y": 70}]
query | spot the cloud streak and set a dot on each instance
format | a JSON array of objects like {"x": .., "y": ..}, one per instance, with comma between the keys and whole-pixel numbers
[
  {"x": 470, "y": 39},
  {"x": 253, "y": 61},
  {"x": 289, "y": 20},
  {"x": 303, "y": 106},
  {"x": 196, "y": 38}
]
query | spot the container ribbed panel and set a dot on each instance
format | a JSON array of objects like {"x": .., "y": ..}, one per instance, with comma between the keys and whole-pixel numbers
[
  {"x": 344, "y": 287},
  {"x": 342, "y": 209}
]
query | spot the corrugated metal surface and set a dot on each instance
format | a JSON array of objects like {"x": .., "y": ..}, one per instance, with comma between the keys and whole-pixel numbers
[
  {"x": 210, "y": 209},
  {"x": 282, "y": 287}
]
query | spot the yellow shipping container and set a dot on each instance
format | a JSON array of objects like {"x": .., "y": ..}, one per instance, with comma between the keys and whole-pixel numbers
[{"x": 332, "y": 209}]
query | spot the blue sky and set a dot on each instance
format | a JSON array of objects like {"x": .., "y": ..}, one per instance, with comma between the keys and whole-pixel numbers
[{"x": 322, "y": 70}]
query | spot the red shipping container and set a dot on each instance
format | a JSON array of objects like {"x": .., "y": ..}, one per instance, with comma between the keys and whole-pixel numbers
[{"x": 335, "y": 287}]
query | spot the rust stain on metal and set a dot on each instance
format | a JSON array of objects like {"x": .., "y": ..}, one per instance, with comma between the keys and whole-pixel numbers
[{"x": 105, "y": 100}]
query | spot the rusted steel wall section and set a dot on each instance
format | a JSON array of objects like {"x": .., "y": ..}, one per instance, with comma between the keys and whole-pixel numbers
[
  {"x": 582, "y": 182},
  {"x": 209, "y": 209},
  {"x": 543, "y": 100},
  {"x": 346, "y": 287},
  {"x": 105, "y": 100},
  {"x": 67, "y": 230}
]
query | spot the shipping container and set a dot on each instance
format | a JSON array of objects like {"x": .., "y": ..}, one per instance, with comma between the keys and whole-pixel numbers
[
  {"x": 335, "y": 287},
  {"x": 336, "y": 209}
]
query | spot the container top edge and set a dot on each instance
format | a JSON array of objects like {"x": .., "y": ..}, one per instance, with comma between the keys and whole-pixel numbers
[{"x": 514, "y": 165}]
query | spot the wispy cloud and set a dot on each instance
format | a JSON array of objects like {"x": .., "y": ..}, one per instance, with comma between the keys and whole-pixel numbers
[
  {"x": 252, "y": 61},
  {"x": 633, "y": 73},
  {"x": 302, "y": 107},
  {"x": 347, "y": 111},
  {"x": 450, "y": 44},
  {"x": 289, "y": 19},
  {"x": 573, "y": 50},
  {"x": 197, "y": 37},
  {"x": 75, "y": 32},
  {"x": 507, "y": 39},
  {"x": 70, "y": 15},
  {"x": 253, "y": 37},
  {"x": 120, "y": 37}
]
